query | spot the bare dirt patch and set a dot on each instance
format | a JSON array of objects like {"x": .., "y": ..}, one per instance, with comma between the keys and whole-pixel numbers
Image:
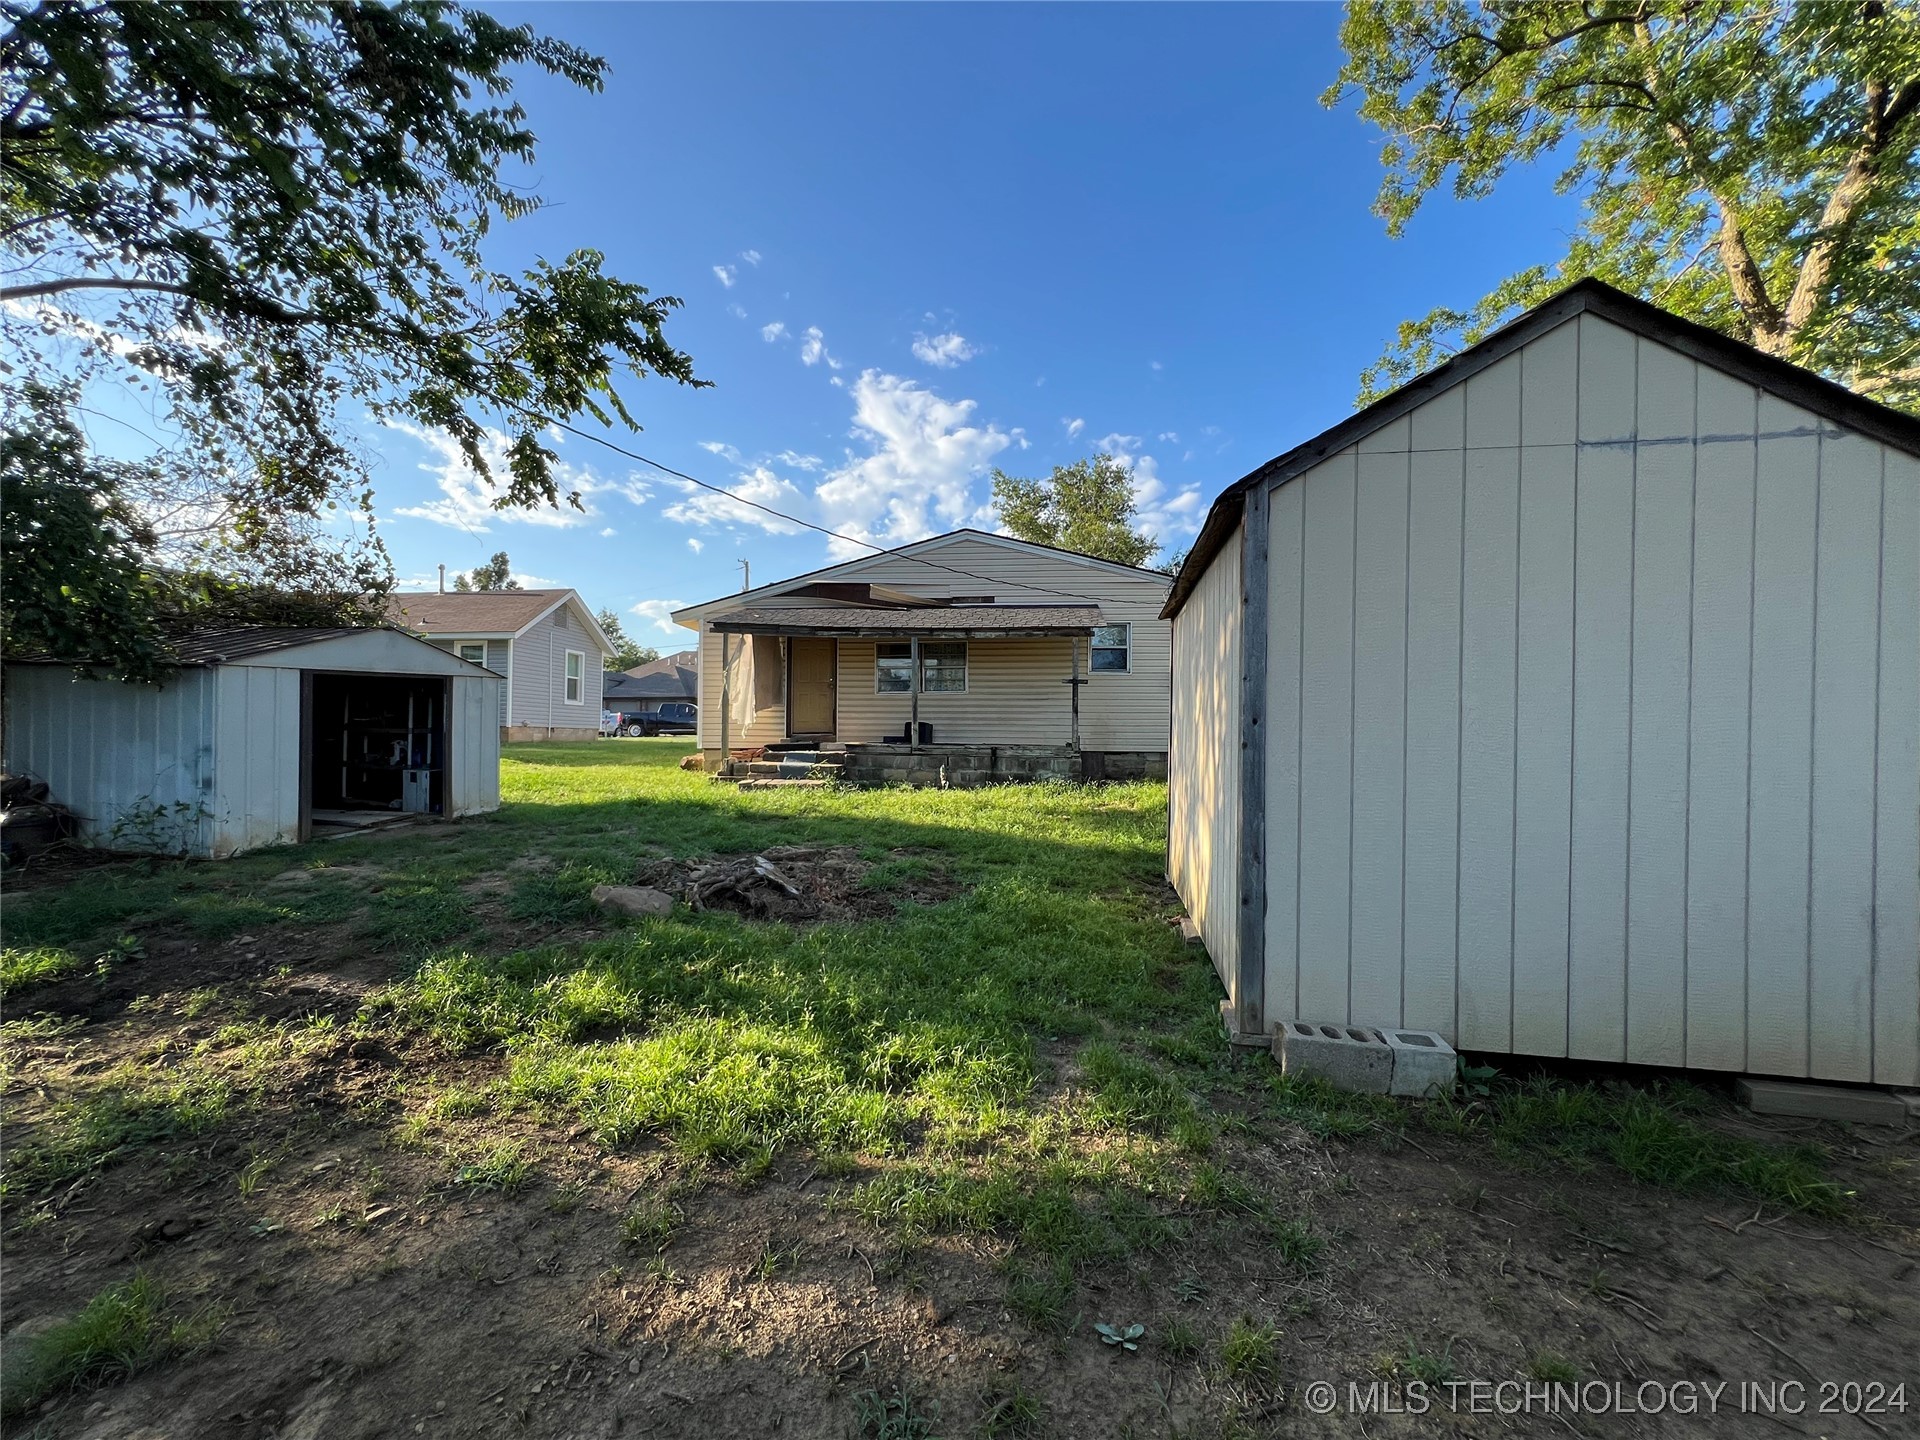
[{"x": 802, "y": 884}]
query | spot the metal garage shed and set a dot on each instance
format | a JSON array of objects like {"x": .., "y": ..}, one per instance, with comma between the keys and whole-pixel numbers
[
  {"x": 1567, "y": 702},
  {"x": 261, "y": 736}
]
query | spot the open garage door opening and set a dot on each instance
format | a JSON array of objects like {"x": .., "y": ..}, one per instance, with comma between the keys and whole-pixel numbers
[{"x": 377, "y": 748}]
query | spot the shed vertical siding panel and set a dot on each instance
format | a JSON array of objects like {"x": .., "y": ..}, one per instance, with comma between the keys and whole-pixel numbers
[
  {"x": 1780, "y": 796},
  {"x": 1896, "y": 1010},
  {"x": 1718, "y": 725},
  {"x": 1602, "y": 685},
  {"x": 1657, "y": 778},
  {"x": 1543, "y": 759},
  {"x": 1846, "y": 641},
  {"x": 1326, "y": 756},
  {"x": 1487, "y": 661},
  {"x": 1286, "y": 518},
  {"x": 1204, "y": 814},
  {"x": 473, "y": 746},
  {"x": 1434, "y": 541},
  {"x": 1379, "y": 725}
]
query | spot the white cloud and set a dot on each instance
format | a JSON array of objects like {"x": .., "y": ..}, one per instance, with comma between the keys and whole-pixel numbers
[
  {"x": 813, "y": 349},
  {"x": 752, "y": 257},
  {"x": 1074, "y": 427},
  {"x": 943, "y": 351},
  {"x": 925, "y": 453},
  {"x": 1117, "y": 444},
  {"x": 793, "y": 460},
  {"x": 660, "y": 612},
  {"x": 725, "y": 275},
  {"x": 1169, "y": 515},
  {"x": 608, "y": 531},
  {"x": 695, "y": 544},
  {"x": 722, "y": 449},
  {"x": 533, "y": 582},
  {"x": 1172, "y": 437},
  {"x": 773, "y": 332},
  {"x": 466, "y": 497},
  {"x": 1157, "y": 365},
  {"x": 738, "y": 312},
  {"x": 758, "y": 484}
]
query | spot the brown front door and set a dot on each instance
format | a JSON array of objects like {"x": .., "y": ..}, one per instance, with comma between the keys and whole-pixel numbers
[{"x": 809, "y": 687}]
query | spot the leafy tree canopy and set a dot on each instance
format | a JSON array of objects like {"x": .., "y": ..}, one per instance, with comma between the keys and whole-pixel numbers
[
  {"x": 263, "y": 212},
  {"x": 627, "y": 652},
  {"x": 496, "y": 574},
  {"x": 1753, "y": 166},
  {"x": 1086, "y": 506}
]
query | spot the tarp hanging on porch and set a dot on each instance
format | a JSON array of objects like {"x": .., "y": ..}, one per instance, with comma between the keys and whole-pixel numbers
[{"x": 756, "y": 679}]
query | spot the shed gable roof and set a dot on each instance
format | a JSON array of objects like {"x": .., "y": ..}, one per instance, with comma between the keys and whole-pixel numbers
[{"x": 1790, "y": 382}]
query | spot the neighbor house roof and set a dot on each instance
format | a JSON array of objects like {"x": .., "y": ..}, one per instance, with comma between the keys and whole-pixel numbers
[
  {"x": 474, "y": 614},
  {"x": 670, "y": 677},
  {"x": 1790, "y": 382},
  {"x": 952, "y": 621}
]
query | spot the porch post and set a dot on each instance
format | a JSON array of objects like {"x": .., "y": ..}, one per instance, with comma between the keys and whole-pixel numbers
[
  {"x": 726, "y": 696},
  {"x": 1073, "y": 685},
  {"x": 913, "y": 726}
]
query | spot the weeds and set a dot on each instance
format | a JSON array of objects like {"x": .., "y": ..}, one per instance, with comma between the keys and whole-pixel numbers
[
  {"x": 504, "y": 1168},
  {"x": 898, "y": 1416},
  {"x": 123, "y": 1330},
  {"x": 1249, "y": 1352}
]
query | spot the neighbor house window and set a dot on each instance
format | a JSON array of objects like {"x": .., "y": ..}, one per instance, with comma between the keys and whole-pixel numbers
[
  {"x": 475, "y": 653},
  {"x": 943, "y": 667},
  {"x": 576, "y": 673},
  {"x": 1112, "y": 648}
]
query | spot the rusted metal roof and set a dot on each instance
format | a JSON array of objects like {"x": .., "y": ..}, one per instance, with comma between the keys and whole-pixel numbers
[{"x": 948, "y": 621}]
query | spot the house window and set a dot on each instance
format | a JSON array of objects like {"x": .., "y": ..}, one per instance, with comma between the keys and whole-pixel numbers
[
  {"x": 1112, "y": 649},
  {"x": 892, "y": 668},
  {"x": 474, "y": 654},
  {"x": 943, "y": 667},
  {"x": 576, "y": 673}
]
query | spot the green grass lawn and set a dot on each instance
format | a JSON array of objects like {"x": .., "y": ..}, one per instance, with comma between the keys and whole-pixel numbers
[{"x": 940, "y": 1040}]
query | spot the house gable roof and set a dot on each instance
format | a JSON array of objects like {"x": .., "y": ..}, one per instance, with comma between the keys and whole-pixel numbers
[
  {"x": 692, "y": 615},
  {"x": 472, "y": 614},
  {"x": 1789, "y": 382},
  {"x": 670, "y": 677},
  {"x": 238, "y": 644}
]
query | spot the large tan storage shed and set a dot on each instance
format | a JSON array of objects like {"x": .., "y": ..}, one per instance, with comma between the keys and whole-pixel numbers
[
  {"x": 1567, "y": 702},
  {"x": 260, "y": 736}
]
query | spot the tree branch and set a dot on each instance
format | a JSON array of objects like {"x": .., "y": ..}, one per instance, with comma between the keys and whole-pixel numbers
[{"x": 1862, "y": 172}]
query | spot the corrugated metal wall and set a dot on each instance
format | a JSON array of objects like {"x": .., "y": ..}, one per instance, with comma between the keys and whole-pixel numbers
[
  {"x": 1203, "y": 815},
  {"x": 1594, "y": 708},
  {"x": 135, "y": 756}
]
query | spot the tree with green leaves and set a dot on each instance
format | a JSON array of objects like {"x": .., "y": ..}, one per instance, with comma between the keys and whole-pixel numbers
[
  {"x": 1087, "y": 506},
  {"x": 267, "y": 213},
  {"x": 1752, "y": 166},
  {"x": 496, "y": 574},
  {"x": 627, "y": 652}
]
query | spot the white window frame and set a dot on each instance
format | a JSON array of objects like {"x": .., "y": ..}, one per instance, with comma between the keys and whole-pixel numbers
[
  {"x": 465, "y": 645},
  {"x": 966, "y": 666},
  {"x": 573, "y": 682},
  {"x": 1126, "y": 648}
]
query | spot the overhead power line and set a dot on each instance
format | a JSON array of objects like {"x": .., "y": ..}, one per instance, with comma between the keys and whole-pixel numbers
[{"x": 795, "y": 519}]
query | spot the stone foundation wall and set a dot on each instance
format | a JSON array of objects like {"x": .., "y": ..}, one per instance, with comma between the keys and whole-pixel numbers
[
  {"x": 965, "y": 765},
  {"x": 1124, "y": 765},
  {"x": 517, "y": 733}
]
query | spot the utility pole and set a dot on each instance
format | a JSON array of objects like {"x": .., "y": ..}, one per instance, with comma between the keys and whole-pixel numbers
[{"x": 746, "y": 574}]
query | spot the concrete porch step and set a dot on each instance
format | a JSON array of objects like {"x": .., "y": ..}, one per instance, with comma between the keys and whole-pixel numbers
[
  {"x": 782, "y": 782},
  {"x": 796, "y": 768}
]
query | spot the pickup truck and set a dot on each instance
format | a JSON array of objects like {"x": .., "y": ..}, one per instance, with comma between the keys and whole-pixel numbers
[{"x": 674, "y": 717}]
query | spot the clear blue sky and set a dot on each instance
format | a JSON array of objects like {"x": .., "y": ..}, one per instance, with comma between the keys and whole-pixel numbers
[{"x": 1003, "y": 235}]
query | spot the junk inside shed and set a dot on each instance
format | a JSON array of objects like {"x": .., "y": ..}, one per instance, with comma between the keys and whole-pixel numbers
[{"x": 378, "y": 744}]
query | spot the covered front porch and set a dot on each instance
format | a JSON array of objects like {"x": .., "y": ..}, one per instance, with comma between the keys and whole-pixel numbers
[{"x": 954, "y": 694}]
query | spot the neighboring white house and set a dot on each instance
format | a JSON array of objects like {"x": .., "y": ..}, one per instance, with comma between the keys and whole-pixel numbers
[
  {"x": 261, "y": 736},
  {"x": 1567, "y": 702},
  {"x": 546, "y": 642},
  {"x": 1031, "y": 660}
]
